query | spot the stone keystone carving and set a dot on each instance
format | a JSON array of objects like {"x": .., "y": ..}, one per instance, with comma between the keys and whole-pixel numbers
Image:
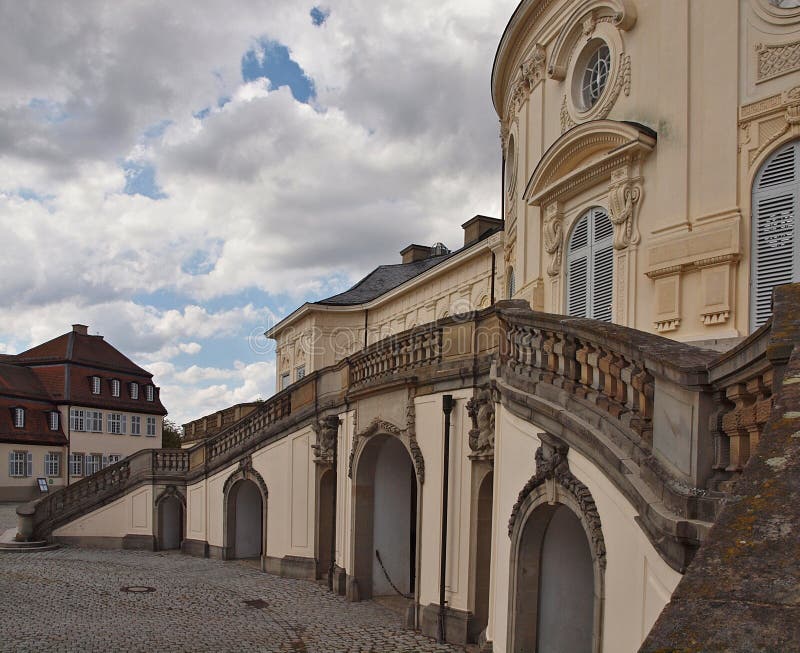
[
  {"x": 481, "y": 411},
  {"x": 553, "y": 237},
  {"x": 623, "y": 203},
  {"x": 326, "y": 429}
]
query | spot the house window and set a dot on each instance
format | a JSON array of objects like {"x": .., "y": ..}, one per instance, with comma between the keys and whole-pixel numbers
[
  {"x": 114, "y": 458},
  {"x": 114, "y": 387},
  {"x": 20, "y": 463},
  {"x": 54, "y": 420},
  {"x": 19, "y": 418},
  {"x": 93, "y": 463},
  {"x": 77, "y": 419},
  {"x": 151, "y": 427},
  {"x": 149, "y": 393},
  {"x": 285, "y": 380},
  {"x": 590, "y": 265},
  {"x": 136, "y": 425},
  {"x": 94, "y": 421},
  {"x": 300, "y": 372},
  {"x": 776, "y": 204},
  {"x": 52, "y": 464},
  {"x": 76, "y": 464},
  {"x": 95, "y": 385},
  {"x": 595, "y": 74},
  {"x": 134, "y": 390},
  {"x": 116, "y": 423}
]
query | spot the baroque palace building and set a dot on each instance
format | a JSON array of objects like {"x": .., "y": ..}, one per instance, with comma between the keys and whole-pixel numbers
[{"x": 578, "y": 431}]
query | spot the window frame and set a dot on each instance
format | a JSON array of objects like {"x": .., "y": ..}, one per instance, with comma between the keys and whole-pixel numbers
[
  {"x": 76, "y": 460},
  {"x": 771, "y": 195},
  {"x": 591, "y": 251},
  {"x": 150, "y": 425},
  {"x": 136, "y": 425},
  {"x": 21, "y": 457},
  {"x": 133, "y": 390},
  {"x": 52, "y": 464},
  {"x": 117, "y": 423},
  {"x": 54, "y": 420},
  {"x": 116, "y": 387},
  {"x": 19, "y": 417},
  {"x": 96, "y": 385},
  {"x": 150, "y": 392}
]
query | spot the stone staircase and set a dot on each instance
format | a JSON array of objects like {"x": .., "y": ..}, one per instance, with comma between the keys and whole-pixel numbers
[{"x": 8, "y": 544}]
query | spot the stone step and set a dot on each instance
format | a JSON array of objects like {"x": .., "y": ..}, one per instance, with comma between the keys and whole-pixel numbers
[{"x": 6, "y": 547}]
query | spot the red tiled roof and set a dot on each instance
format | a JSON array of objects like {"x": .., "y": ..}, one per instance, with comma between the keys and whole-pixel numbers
[
  {"x": 37, "y": 425},
  {"x": 18, "y": 381},
  {"x": 83, "y": 349},
  {"x": 80, "y": 391}
]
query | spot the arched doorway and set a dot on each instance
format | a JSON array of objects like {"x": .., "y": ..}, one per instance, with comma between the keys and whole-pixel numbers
[
  {"x": 245, "y": 529},
  {"x": 385, "y": 521},
  {"x": 483, "y": 553},
  {"x": 170, "y": 523},
  {"x": 325, "y": 526},
  {"x": 556, "y": 598}
]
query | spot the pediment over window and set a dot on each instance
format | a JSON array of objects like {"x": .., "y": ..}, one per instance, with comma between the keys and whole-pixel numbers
[{"x": 585, "y": 155}]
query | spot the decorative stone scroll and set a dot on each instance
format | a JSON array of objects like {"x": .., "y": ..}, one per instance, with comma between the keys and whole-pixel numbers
[
  {"x": 554, "y": 236},
  {"x": 530, "y": 73},
  {"x": 624, "y": 195},
  {"x": 326, "y": 429},
  {"x": 765, "y": 124},
  {"x": 169, "y": 492},
  {"x": 481, "y": 436},
  {"x": 381, "y": 426},
  {"x": 552, "y": 471}
]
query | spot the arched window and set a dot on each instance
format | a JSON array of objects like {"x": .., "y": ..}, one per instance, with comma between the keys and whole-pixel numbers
[
  {"x": 590, "y": 263},
  {"x": 775, "y": 257}
]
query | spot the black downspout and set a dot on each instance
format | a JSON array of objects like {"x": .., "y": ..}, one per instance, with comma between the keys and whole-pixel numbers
[
  {"x": 447, "y": 408},
  {"x": 491, "y": 292},
  {"x": 333, "y": 513}
]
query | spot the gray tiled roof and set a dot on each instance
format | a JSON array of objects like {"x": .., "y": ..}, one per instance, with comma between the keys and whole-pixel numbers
[{"x": 381, "y": 280}]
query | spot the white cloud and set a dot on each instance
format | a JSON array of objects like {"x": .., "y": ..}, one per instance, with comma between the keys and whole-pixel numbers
[{"x": 265, "y": 193}]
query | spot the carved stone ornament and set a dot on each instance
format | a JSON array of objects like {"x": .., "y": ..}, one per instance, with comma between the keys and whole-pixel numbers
[
  {"x": 552, "y": 470},
  {"x": 770, "y": 124},
  {"x": 554, "y": 236},
  {"x": 504, "y": 134},
  {"x": 169, "y": 492},
  {"x": 245, "y": 472},
  {"x": 481, "y": 411},
  {"x": 776, "y": 60},
  {"x": 566, "y": 120},
  {"x": 624, "y": 195},
  {"x": 326, "y": 429},
  {"x": 380, "y": 426},
  {"x": 531, "y": 71}
]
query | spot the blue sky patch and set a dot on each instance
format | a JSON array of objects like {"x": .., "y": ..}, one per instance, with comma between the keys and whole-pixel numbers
[
  {"x": 140, "y": 179},
  {"x": 48, "y": 110},
  {"x": 154, "y": 131},
  {"x": 271, "y": 59},
  {"x": 319, "y": 15}
]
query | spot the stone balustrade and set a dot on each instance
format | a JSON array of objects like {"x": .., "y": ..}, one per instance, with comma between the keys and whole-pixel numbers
[{"x": 687, "y": 418}]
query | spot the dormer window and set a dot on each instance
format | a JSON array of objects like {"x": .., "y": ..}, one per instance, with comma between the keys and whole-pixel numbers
[
  {"x": 114, "y": 387},
  {"x": 53, "y": 419},
  {"x": 134, "y": 390},
  {"x": 95, "y": 385},
  {"x": 149, "y": 392},
  {"x": 19, "y": 418}
]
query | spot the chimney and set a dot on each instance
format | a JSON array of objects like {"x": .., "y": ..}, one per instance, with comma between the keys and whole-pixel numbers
[
  {"x": 476, "y": 228},
  {"x": 82, "y": 329},
  {"x": 415, "y": 253}
]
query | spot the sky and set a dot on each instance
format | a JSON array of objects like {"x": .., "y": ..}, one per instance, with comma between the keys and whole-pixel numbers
[{"x": 180, "y": 176}]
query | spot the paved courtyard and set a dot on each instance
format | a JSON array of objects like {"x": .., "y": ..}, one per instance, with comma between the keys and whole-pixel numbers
[{"x": 71, "y": 599}]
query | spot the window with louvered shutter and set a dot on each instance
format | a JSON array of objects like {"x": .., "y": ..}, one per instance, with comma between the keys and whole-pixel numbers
[
  {"x": 590, "y": 265},
  {"x": 776, "y": 203}
]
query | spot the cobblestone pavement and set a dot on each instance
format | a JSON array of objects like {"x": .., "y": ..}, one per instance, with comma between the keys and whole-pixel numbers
[
  {"x": 70, "y": 599},
  {"x": 8, "y": 516}
]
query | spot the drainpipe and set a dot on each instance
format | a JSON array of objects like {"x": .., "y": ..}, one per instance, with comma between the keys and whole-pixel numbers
[
  {"x": 332, "y": 564},
  {"x": 447, "y": 408}
]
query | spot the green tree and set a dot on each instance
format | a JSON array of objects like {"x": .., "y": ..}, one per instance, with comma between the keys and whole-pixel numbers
[{"x": 172, "y": 434}]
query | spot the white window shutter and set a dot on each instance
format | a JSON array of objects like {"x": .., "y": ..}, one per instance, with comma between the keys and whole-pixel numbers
[
  {"x": 10, "y": 463},
  {"x": 124, "y": 425},
  {"x": 775, "y": 259},
  {"x": 590, "y": 266},
  {"x": 29, "y": 467},
  {"x": 105, "y": 461}
]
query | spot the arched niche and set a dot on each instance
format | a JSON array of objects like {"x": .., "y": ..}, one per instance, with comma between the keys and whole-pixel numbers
[
  {"x": 244, "y": 488},
  {"x": 580, "y": 566},
  {"x": 170, "y": 518}
]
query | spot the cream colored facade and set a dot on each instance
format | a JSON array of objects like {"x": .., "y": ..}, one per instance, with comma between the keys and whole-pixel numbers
[
  {"x": 612, "y": 446},
  {"x": 698, "y": 96},
  {"x": 317, "y": 335}
]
